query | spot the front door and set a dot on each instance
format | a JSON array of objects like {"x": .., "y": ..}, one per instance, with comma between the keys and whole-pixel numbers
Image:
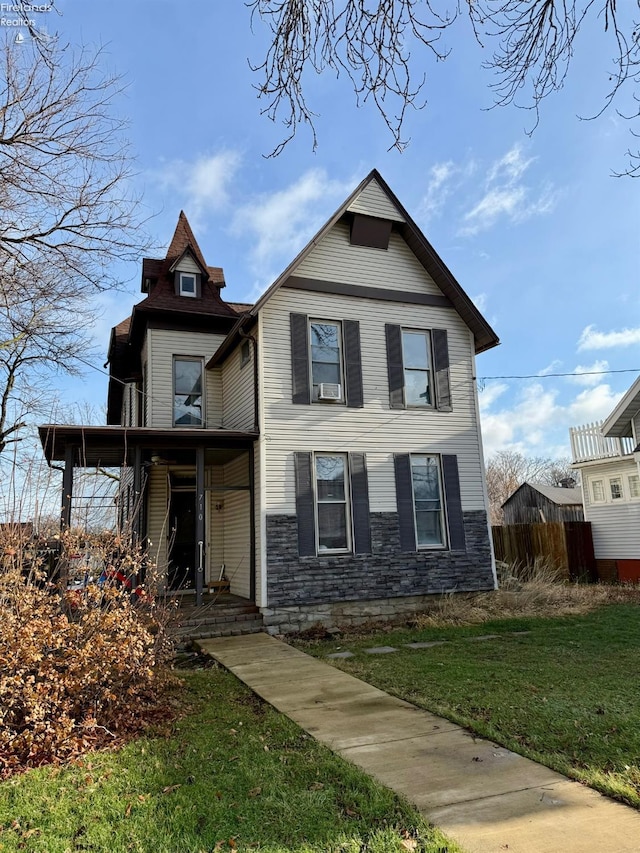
[{"x": 182, "y": 543}]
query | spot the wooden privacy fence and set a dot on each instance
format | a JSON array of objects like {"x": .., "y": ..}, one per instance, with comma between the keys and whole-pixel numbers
[{"x": 566, "y": 545}]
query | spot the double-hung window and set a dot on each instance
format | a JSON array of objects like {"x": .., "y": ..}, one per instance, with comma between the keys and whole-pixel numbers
[
  {"x": 634, "y": 486},
  {"x": 597, "y": 491},
  {"x": 326, "y": 360},
  {"x": 187, "y": 391},
  {"x": 416, "y": 358},
  {"x": 427, "y": 501},
  {"x": 332, "y": 501}
]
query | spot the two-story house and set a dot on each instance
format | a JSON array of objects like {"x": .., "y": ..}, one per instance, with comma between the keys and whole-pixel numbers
[
  {"x": 607, "y": 453},
  {"x": 321, "y": 447}
]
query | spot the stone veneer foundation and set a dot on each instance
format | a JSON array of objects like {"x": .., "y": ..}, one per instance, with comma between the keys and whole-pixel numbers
[{"x": 351, "y": 589}]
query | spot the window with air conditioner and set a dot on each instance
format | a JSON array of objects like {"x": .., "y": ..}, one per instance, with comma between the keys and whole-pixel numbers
[{"x": 326, "y": 361}]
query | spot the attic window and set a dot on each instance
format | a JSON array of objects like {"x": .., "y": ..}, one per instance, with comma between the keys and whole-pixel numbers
[{"x": 187, "y": 284}]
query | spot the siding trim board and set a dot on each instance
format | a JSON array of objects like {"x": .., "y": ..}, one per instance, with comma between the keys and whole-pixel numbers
[{"x": 384, "y": 294}]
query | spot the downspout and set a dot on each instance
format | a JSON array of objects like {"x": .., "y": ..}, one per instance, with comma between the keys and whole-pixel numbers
[{"x": 255, "y": 376}]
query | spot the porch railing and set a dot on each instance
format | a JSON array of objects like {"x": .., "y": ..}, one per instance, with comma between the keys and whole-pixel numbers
[{"x": 588, "y": 443}]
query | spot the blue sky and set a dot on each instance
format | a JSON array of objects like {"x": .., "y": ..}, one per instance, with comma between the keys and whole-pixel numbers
[{"x": 533, "y": 227}]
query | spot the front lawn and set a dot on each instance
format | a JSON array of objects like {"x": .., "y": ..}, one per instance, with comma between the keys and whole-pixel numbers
[
  {"x": 231, "y": 774},
  {"x": 565, "y": 693}
]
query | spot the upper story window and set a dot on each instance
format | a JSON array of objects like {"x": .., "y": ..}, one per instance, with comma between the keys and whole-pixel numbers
[
  {"x": 634, "y": 486},
  {"x": 597, "y": 491},
  {"x": 326, "y": 361},
  {"x": 427, "y": 501},
  {"x": 187, "y": 284},
  {"x": 418, "y": 368},
  {"x": 187, "y": 391},
  {"x": 245, "y": 353},
  {"x": 416, "y": 357}
]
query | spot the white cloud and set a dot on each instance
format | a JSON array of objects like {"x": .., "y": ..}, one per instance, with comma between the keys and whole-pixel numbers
[
  {"x": 536, "y": 424},
  {"x": 490, "y": 393},
  {"x": 200, "y": 186},
  {"x": 590, "y": 373},
  {"x": 282, "y": 222},
  {"x": 591, "y": 338},
  {"x": 550, "y": 368},
  {"x": 438, "y": 189},
  {"x": 507, "y": 196},
  {"x": 480, "y": 300}
]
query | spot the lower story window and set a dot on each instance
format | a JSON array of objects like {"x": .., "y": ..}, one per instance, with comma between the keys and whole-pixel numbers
[
  {"x": 427, "y": 501},
  {"x": 332, "y": 502}
]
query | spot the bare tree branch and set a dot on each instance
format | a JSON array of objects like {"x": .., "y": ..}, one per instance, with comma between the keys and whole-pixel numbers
[
  {"x": 384, "y": 46},
  {"x": 67, "y": 216}
]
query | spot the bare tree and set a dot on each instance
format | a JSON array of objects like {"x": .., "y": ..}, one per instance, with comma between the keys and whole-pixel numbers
[
  {"x": 384, "y": 47},
  {"x": 67, "y": 215},
  {"x": 508, "y": 469}
]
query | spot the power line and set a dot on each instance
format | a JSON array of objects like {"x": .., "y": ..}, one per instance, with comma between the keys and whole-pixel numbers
[{"x": 575, "y": 373}]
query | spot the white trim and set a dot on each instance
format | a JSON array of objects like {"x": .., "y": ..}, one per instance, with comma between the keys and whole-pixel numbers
[
  {"x": 444, "y": 545},
  {"x": 203, "y": 403},
  {"x": 341, "y": 370},
  {"x": 483, "y": 469},
  {"x": 346, "y": 501},
  {"x": 261, "y": 580},
  {"x": 194, "y": 278}
]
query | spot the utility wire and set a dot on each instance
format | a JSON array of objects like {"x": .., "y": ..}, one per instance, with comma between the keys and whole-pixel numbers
[{"x": 575, "y": 373}]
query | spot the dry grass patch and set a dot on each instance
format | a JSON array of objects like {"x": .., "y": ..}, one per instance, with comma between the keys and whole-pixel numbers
[{"x": 535, "y": 591}]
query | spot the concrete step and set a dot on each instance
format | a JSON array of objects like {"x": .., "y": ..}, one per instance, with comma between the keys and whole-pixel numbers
[{"x": 228, "y": 629}]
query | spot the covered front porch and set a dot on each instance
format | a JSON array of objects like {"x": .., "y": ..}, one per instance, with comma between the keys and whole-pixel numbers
[{"x": 187, "y": 496}]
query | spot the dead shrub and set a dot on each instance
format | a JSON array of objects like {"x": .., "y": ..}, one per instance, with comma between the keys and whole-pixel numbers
[{"x": 77, "y": 668}]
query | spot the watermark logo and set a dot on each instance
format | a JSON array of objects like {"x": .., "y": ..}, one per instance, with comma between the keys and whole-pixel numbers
[{"x": 25, "y": 18}]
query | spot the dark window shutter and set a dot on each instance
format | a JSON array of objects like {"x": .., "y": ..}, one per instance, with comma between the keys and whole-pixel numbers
[
  {"x": 301, "y": 391},
  {"x": 454, "y": 505},
  {"x": 360, "y": 503},
  {"x": 395, "y": 367},
  {"x": 404, "y": 499},
  {"x": 304, "y": 505},
  {"x": 353, "y": 363},
  {"x": 441, "y": 370}
]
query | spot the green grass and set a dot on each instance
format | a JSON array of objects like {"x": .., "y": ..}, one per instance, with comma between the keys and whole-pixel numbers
[
  {"x": 566, "y": 694},
  {"x": 231, "y": 774}
]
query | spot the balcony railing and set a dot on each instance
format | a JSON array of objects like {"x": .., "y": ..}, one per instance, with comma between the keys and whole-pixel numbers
[{"x": 588, "y": 443}]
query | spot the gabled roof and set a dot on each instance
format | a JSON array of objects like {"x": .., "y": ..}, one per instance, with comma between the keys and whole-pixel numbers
[
  {"x": 556, "y": 494},
  {"x": 484, "y": 336},
  {"x": 618, "y": 424},
  {"x": 182, "y": 240}
]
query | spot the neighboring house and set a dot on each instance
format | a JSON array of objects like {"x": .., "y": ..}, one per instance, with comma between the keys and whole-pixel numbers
[
  {"x": 322, "y": 445},
  {"x": 537, "y": 502},
  {"x": 608, "y": 456}
]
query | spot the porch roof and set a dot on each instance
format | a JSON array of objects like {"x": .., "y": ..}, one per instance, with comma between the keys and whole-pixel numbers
[{"x": 112, "y": 446}]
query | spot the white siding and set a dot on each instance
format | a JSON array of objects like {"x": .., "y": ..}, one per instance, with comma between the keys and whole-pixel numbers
[
  {"x": 615, "y": 524},
  {"x": 373, "y": 201},
  {"x": 158, "y": 518},
  {"x": 238, "y": 396},
  {"x": 237, "y": 538},
  {"x": 187, "y": 264},
  {"x": 162, "y": 346},
  {"x": 375, "y": 429},
  {"x": 395, "y": 268}
]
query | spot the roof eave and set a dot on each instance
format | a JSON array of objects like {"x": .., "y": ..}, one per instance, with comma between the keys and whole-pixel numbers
[{"x": 617, "y": 425}]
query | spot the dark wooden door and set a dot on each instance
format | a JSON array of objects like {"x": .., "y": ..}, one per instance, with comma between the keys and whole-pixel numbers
[{"x": 182, "y": 515}]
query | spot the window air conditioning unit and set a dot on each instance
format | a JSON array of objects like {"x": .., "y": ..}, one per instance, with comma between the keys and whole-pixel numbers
[{"x": 329, "y": 391}]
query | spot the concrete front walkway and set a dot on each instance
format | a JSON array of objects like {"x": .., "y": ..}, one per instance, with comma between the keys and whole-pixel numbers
[{"x": 487, "y": 798}]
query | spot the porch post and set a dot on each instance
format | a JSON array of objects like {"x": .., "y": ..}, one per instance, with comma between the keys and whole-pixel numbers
[
  {"x": 137, "y": 495},
  {"x": 200, "y": 505},
  {"x": 67, "y": 487},
  {"x": 252, "y": 525},
  {"x": 65, "y": 515}
]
